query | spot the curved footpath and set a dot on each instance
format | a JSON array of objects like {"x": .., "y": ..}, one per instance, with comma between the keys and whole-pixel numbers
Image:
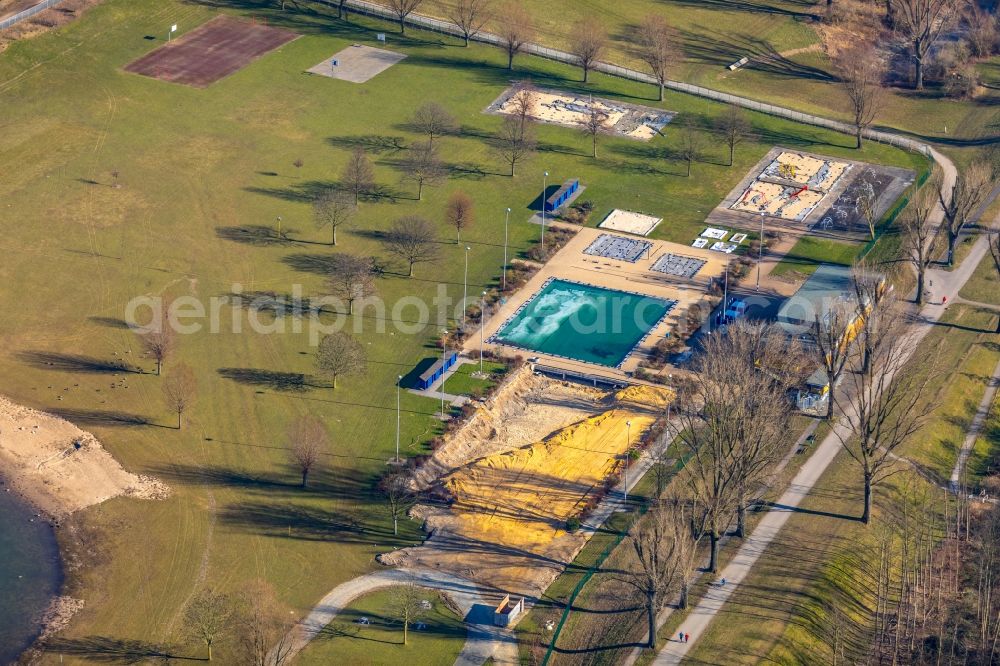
[{"x": 483, "y": 638}]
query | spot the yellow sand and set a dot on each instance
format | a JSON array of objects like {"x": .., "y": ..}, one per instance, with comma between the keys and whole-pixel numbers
[
  {"x": 806, "y": 167},
  {"x": 522, "y": 499},
  {"x": 555, "y": 109}
]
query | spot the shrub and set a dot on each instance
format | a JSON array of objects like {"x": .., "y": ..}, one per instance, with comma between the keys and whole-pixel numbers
[{"x": 572, "y": 524}]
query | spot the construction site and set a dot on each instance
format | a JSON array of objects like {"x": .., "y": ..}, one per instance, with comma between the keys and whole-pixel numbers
[{"x": 532, "y": 457}]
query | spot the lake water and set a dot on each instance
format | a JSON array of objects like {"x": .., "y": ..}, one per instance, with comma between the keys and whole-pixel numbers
[{"x": 30, "y": 574}]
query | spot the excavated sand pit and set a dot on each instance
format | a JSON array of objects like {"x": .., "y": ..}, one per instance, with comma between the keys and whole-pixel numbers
[{"x": 517, "y": 484}]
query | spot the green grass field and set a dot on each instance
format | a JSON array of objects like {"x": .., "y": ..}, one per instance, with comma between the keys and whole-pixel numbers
[
  {"x": 463, "y": 382},
  {"x": 204, "y": 174},
  {"x": 344, "y": 641}
]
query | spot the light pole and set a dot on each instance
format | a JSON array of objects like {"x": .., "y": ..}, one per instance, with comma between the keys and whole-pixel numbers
[
  {"x": 444, "y": 356},
  {"x": 760, "y": 250},
  {"x": 725, "y": 293},
  {"x": 278, "y": 220},
  {"x": 506, "y": 221},
  {"x": 482, "y": 326},
  {"x": 545, "y": 185},
  {"x": 628, "y": 440},
  {"x": 465, "y": 286},
  {"x": 399, "y": 382}
]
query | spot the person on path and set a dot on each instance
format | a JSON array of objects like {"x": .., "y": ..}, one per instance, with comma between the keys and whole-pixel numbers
[
  {"x": 687, "y": 637},
  {"x": 680, "y": 636},
  {"x": 944, "y": 300}
]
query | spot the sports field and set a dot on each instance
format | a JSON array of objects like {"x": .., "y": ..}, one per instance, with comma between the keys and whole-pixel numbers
[{"x": 123, "y": 185}]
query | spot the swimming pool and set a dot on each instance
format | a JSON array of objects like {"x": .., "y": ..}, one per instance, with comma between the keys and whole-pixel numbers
[{"x": 583, "y": 322}]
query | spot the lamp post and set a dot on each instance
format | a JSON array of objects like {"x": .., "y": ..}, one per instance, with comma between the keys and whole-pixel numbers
[
  {"x": 465, "y": 285},
  {"x": 399, "y": 382},
  {"x": 506, "y": 221},
  {"x": 628, "y": 440},
  {"x": 545, "y": 186},
  {"x": 482, "y": 326},
  {"x": 278, "y": 220},
  {"x": 760, "y": 250},
  {"x": 444, "y": 356}
]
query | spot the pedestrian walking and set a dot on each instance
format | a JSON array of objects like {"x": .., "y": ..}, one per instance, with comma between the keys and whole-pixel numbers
[
  {"x": 944, "y": 300},
  {"x": 687, "y": 637},
  {"x": 680, "y": 636}
]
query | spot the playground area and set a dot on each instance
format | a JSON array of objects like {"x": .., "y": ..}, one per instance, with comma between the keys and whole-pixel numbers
[
  {"x": 357, "y": 63},
  {"x": 790, "y": 186},
  {"x": 541, "y": 318},
  {"x": 630, "y": 222},
  {"x": 805, "y": 193},
  {"x": 561, "y": 108},
  {"x": 212, "y": 51},
  {"x": 506, "y": 525}
]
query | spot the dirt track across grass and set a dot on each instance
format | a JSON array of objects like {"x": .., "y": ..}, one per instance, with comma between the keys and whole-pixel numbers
[{"x": 211, "y": 52}]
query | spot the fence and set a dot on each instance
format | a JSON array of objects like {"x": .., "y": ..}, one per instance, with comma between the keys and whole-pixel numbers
[
  {"x": 445, "y": 27},
  {"x": 30, "y": 11}
]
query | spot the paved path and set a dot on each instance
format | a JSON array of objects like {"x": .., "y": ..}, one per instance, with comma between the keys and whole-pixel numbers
[
  {"x": 484, "y": 640},
  {"x": 947, "y": 284},
  {"x": 978, "y": 421}
]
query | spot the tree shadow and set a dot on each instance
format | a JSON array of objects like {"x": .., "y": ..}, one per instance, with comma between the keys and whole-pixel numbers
[
  {"x": 377, "y": 144},
  {"x": 110, "y": 322},
  {"x": 271, "y": 379},
  {"x": 113, "y": 650},
  {"x": 74, "y": 363},
  {"x": 253, "y": 234},
  {"x": 99, "y": 417}
]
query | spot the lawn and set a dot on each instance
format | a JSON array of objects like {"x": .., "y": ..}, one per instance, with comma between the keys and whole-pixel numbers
[
  {"x": 203, "y": 175},
  {"x": 345, "y": 641},
  {"x": 809, "y": 251},
  {"x": 984, "y": 285},
  {"x": 464, "y": 383}
]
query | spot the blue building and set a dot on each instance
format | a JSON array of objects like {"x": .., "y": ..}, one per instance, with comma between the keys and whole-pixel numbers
[
  {"x": 562, "y": 195},
  {"x": 437, "y": 369}
]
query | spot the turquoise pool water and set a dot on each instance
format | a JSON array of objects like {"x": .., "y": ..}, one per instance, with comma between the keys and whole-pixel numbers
[{"x": 583, "y": 322}]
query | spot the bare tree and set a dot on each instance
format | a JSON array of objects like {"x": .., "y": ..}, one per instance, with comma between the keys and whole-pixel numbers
[
  {"x": 515, "y": 28},
  {"x": 208, "y": 617},
  {"x": 830, "y": 337},
  {"x": 734, "y": 128},
  {"x": 433, "y": 120},
  {"x": 920, "y": 240},
  {"x": 661, "y": 557},
  {"x": 405, "y": 606},
  {"x": 179, "y": 390},
  {"x": 413, "y": 240},
  {"x": 514, "y": 142},
  {"x": 471, "y": 16},
  {"x": 691, "y": 145},
  {"x": 766, "y": 366},
  {"x": 263, "y": 628},
  {"x": 423, "y": 166},
  {"x": 971, "y": 189},
  {"x": 351, "y": 278},
  {"x": 982, "y": 30},
  {"x": 340, "y": 354},
  {"x": 334, "y": 208},
  {"x": 309, "y": 441},
  {"x": 862, "y": 72},
  {"x": 460, "y": 212},
  {"x": 705, "y": 409},
  {"x": 921, "y": 23},
  {"x": 866, "y": 205},
  {"x": 657, "y": 48},
  {"x": 524, "y": 102},
  {"x": 402, "y": 9},
  {"x": 395, "y": 488},
  {"x": 595, "y": 124},
  {"x": 588, "y": 40},
  {"x": 159, "y": 344},
  {"x": 359, "y": 175},
  {"x": 884, "y": 405}
]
